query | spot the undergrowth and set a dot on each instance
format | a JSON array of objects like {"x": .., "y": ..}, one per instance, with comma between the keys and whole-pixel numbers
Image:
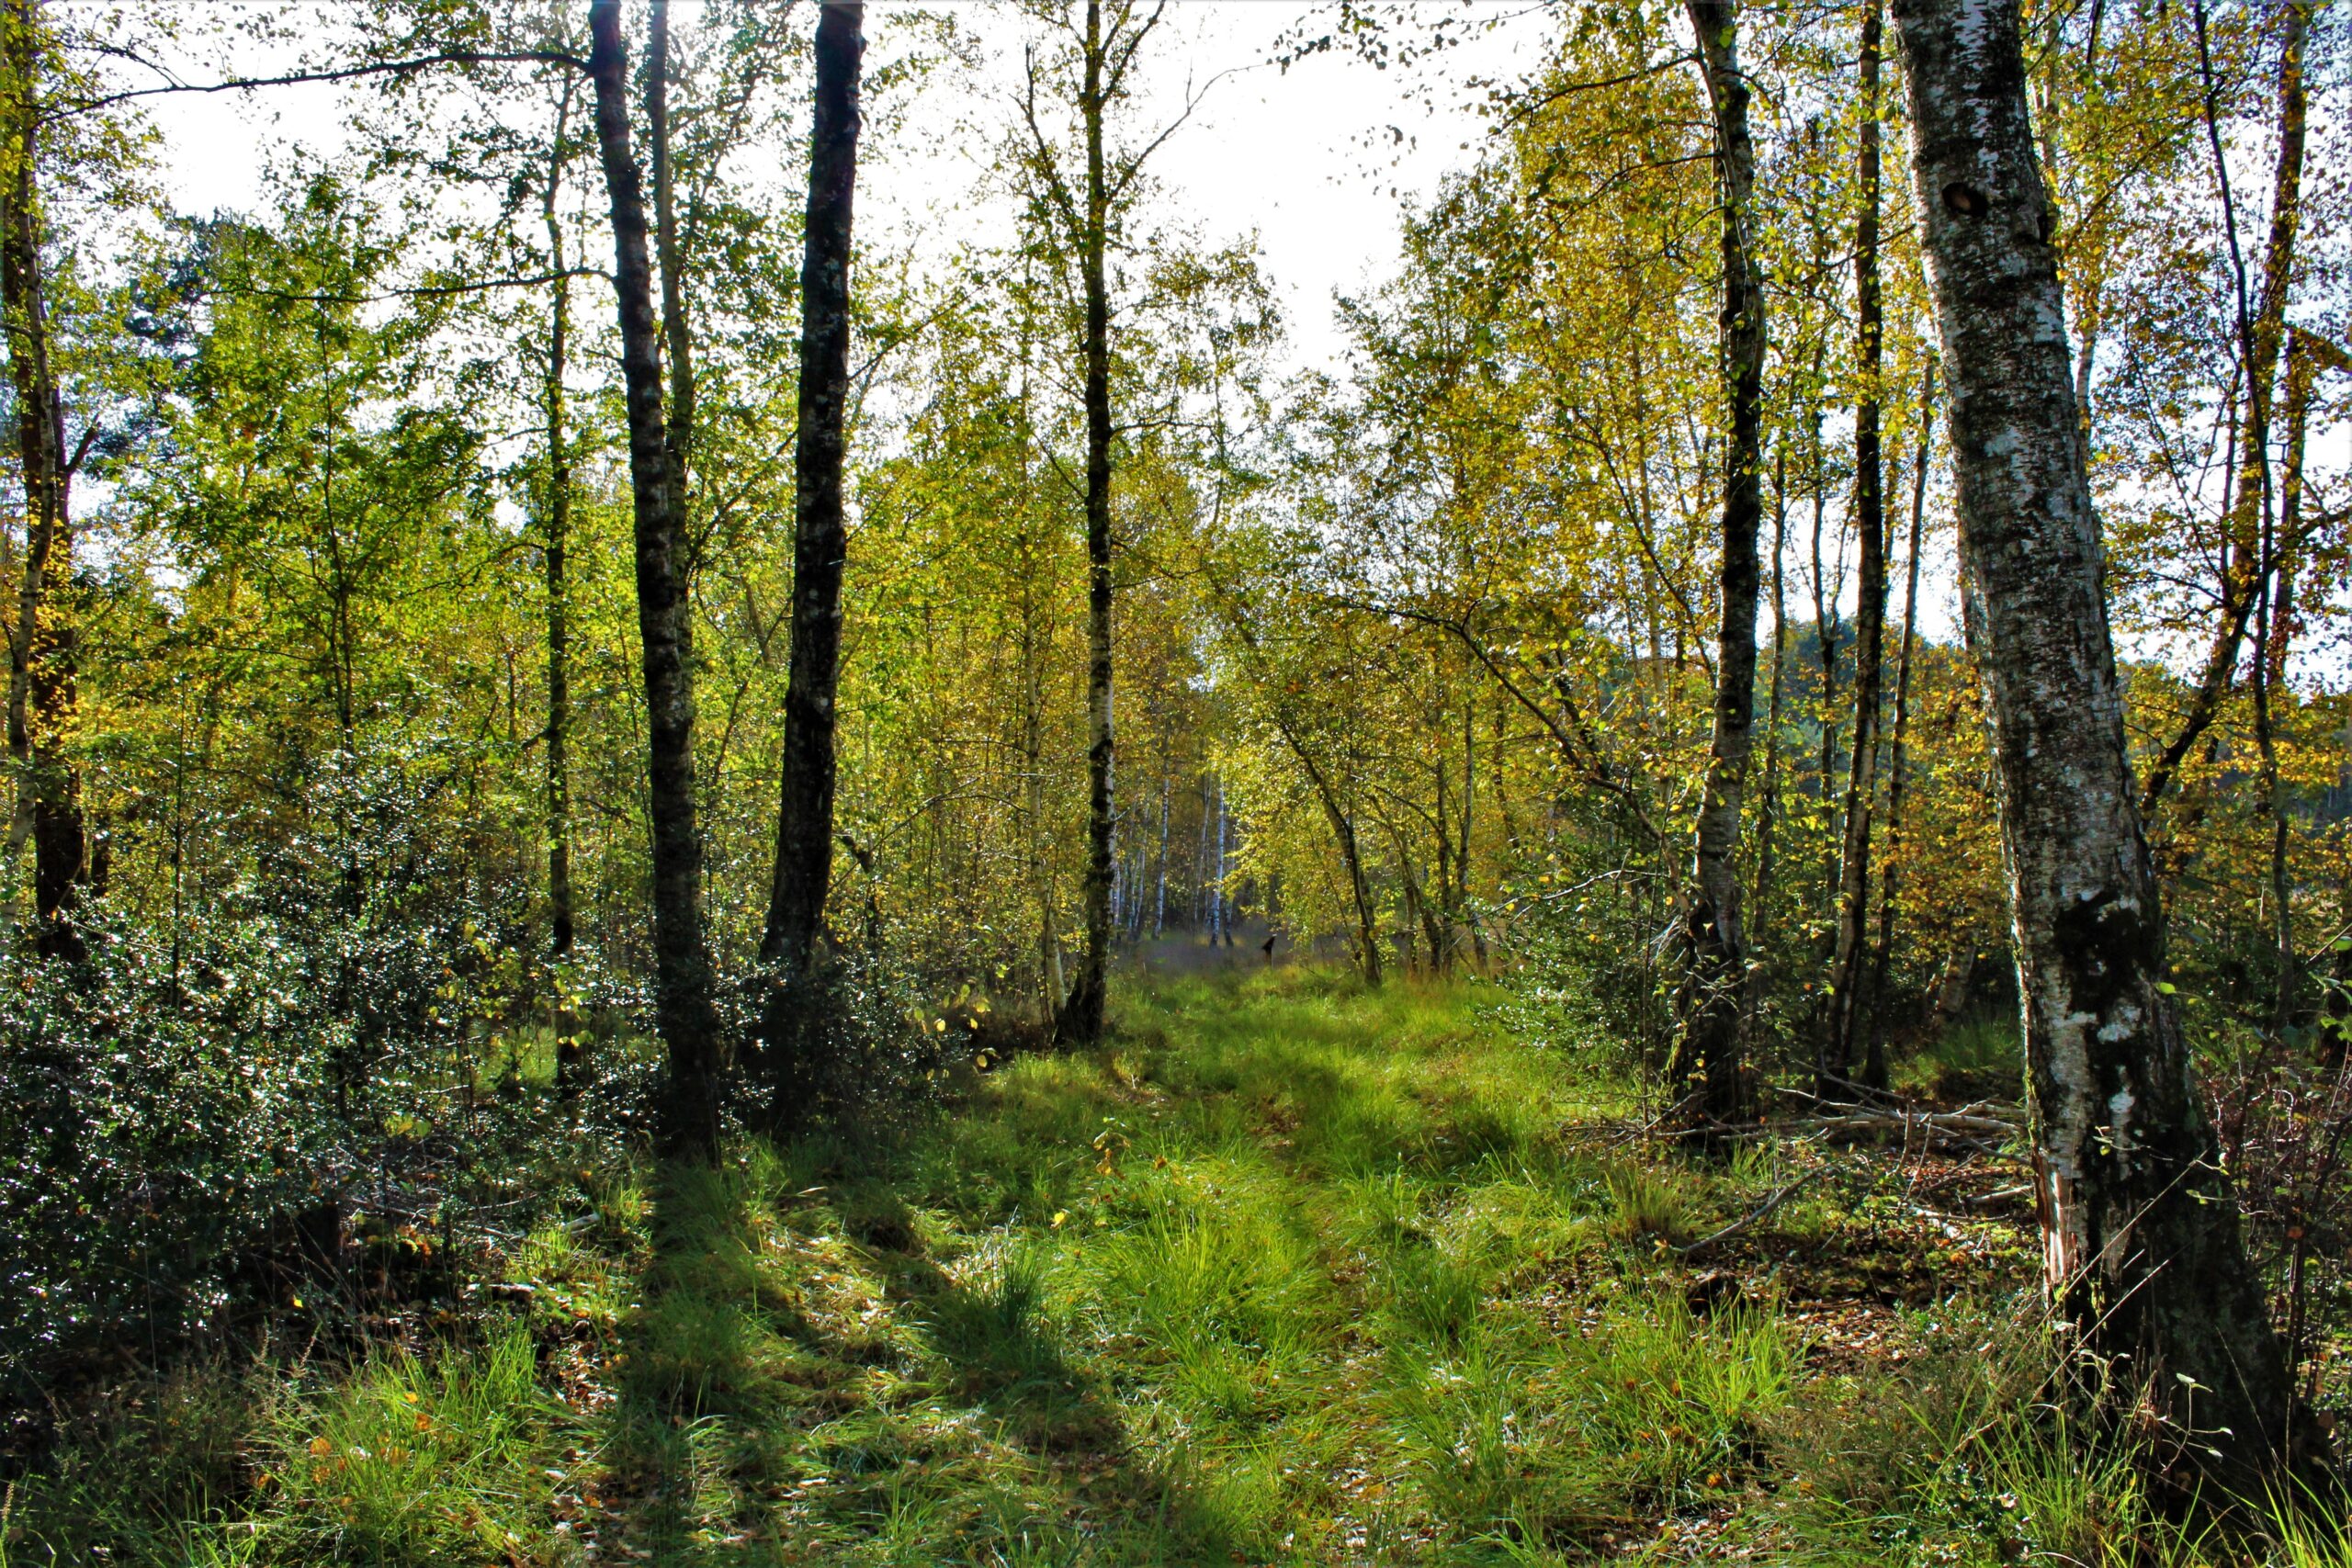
[{"x": 1288, "y": 1273}]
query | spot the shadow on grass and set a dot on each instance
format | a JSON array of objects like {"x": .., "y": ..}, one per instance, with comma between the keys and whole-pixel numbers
[{"x": 937, "y": 1420}]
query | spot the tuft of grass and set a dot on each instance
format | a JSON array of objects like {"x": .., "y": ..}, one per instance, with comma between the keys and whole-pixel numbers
[
  {"x": 414, "y": 1463},
  {"x": 1649, "y": 1204}
]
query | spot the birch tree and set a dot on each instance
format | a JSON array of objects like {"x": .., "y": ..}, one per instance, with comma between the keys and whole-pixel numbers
[{"x": 2142, "y": 1257}]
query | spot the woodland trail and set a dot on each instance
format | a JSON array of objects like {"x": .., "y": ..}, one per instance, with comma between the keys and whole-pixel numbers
[{"x": 1289, "y": 1273}]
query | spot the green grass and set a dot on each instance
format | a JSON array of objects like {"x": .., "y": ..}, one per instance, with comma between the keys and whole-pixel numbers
[
  {"x": 1976, "y": 1058},
  {"x": 1289, "y": 1273}
]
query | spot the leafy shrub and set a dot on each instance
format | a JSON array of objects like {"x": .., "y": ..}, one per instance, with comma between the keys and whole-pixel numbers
[{"x": 194, "y": 1111}]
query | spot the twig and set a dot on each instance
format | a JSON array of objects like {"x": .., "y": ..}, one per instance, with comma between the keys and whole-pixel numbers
[{"x": 1741, "y": 1223}]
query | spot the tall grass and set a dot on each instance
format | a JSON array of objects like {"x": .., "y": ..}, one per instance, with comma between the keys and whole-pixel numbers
[{"x": 1290, "y": 1273}]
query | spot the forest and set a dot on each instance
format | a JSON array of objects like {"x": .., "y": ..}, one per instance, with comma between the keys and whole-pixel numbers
[{"x": 752, "y": 823}]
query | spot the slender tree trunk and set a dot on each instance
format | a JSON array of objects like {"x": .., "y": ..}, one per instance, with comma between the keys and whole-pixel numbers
[
  {"x": 1897, "y": 782},
  {"x": 2259, "y": 330},
  {"x": 1768, "y": 815},
  {"x": 1952, "y": 986},
  {"x": 44, "y": 643},
  {"x": 1159, "y": 891},
  {"x": 676, "y": 339},
  {"x": 687, "y": 1017},
  {"x": 1220, "y": 922},
  {"x": 2142, "y": 1250},
  {"x": 804, "y": 826},
  {"x": 1469, "y": 916},
  {"x": 1343, "y": 834},
  {"x": 1705, "y": 1073},
  {"x": 1082, "y": 1019},
  {"x": 555, "y": 519},
  {"x": 1850, "y": 1003},
  {"x": 2278, "y": 634},
  {"x": 1824, "y": 610}
]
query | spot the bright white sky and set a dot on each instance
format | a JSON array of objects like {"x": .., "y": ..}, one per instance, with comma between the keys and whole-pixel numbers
[{"x": 1303, "y": 159}]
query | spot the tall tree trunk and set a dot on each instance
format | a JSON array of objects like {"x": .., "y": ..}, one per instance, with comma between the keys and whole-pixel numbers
[
  {"x": 1343, "y": 834},
  {"x": 1159, "y": 890},
  {"x": 1825, "y": 607},
  {"x": 1704, "y": 1073},
  {"x": 2272, "y": 673},
  {"x": 2141, "y": 1251},
  {"x": 43, "y": 645},
  {"x": 1767, "y": 815},
  {"x": 2259, "y": 330},
  {"x": 804, "y": 824},
  {"x": 1221, "y": 917},
  {"x": 1850, "y": 1003},
  {"x": 1082, "y": 1019},
  {"x": 688, "y": 1019},
  {"x": 555, "y": 521},
  {"x": 1897, "y": 782},
  {"x": 676, "y": 340}
]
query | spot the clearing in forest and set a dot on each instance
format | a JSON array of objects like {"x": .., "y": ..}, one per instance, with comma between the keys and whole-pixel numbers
[{"x": 1289, "y": 1272}]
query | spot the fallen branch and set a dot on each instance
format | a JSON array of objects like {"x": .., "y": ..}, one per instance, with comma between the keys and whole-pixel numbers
[{"x": 1753, "y": 1216}]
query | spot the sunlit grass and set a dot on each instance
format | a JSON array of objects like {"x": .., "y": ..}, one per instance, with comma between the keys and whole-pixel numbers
[{"x": 1287, "y": 1272}]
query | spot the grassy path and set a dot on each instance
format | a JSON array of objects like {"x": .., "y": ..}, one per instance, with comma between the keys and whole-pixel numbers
[{"x": 1288, "y": 1274}]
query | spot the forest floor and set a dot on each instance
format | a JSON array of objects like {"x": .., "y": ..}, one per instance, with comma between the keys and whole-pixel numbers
[{"x": 1289, "y": 1273}]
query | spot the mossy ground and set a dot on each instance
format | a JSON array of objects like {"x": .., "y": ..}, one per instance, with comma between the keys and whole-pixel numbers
[{"x": 1288, "y": 1273}]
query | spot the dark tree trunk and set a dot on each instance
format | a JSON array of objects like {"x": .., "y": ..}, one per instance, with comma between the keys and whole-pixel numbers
[
  {"x": 688, "y": 1021},
  {"x": 1897, "y": 782},
  {"x": 1768, "y": 814},
  {"x": 1081, "y": 1016},
  {"x": 1343, "y": 834},
  {"x": 1849, "y": 1000},
  {"x": 2142, "y": 1250},
  {"x": 556, "y": 523},
  {"x": 2259, "y": 331},
  {"x": 2277, "y": 634},
  {"x": 1824, "y": 604},
  {"x": 1705, "y": 1073},
  {"x": 43, "y": 645},
  {"x": 676, "y": 340},
  {"x": 804, "y": 824}
]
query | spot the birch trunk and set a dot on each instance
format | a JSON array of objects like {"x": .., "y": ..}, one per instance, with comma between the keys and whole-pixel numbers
[
  {"x": 1850, "y": 1002},
  {"x": 43, "y": 673},
  {"x": 1705, "y": 1073},
  {"x": 688, "y": 1021},
  {"x": 555, "y": 523},
  {"x": 804, "y": 826},
  {"x": 1082, "y": 1019},
  {"x": 2141, "y": 1251}
]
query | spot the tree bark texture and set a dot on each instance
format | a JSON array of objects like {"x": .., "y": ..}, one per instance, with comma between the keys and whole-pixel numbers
[
  {"x": 43, "y": 642},
  {"x": 804, "y": 826},
  {"x": 2141, "y": 1251},
  {"x": 555, "y": 538},
  {"x": 1850, "y": 1002},
  {"x": 1081, "y": 1016},
  {"x": 1706, "y": 1072},
  {"x": 676, "y": 340},
  {"x": 688, "y": 1021}
]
